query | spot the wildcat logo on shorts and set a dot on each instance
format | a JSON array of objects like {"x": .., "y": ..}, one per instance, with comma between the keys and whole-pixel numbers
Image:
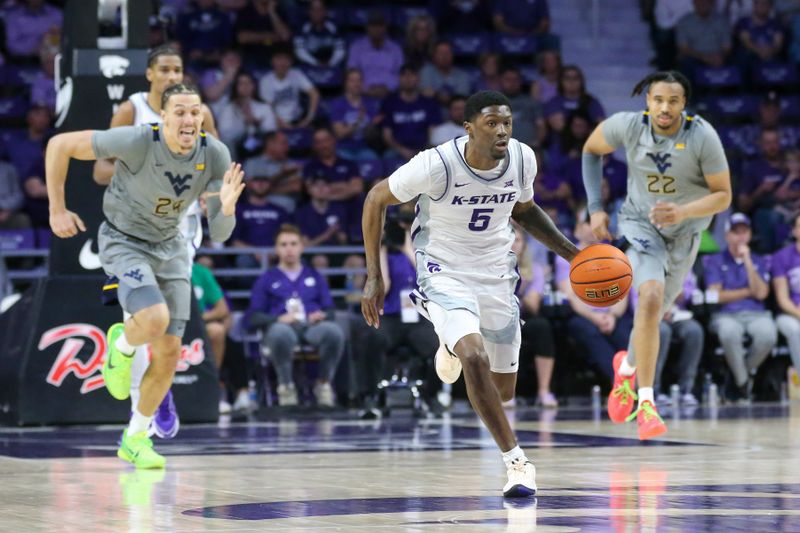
[
  {"x": 134, "y": 274},
  {"x": 602, "y": 294},
  {"x": 75, "y": 338},
  {"x": 433, "y": 268}
]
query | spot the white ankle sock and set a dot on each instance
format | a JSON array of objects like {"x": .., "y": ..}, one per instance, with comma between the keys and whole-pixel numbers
[
  {"x": 512, "y": 455},
  {"x": 138, "y": 422},
  {"x": 625, "y": 368},
  {"x": 645, "y": 393},
  {"x": 123, "y": 346}
]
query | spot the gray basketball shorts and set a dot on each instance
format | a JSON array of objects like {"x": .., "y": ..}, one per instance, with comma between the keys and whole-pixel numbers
[
  {"x": 655, "y": 258},
  {"x": 149, "y": 274}
]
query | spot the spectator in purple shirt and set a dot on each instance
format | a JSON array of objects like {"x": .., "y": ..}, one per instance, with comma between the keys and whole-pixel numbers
[
  {"x": 377, "y": 56},
  {"x": 786, "y": 283},
  {"x": 204, "y": 33},
  {"x": 553, "y": 192},
  {"x": 26, "y": 24},
  {"x": 566, "y": 147},
  {"x": 770, "y": 115},
  {"x": 354, "y": 118},
  {"x": 600, "y": 331},
  {"x": 343, "y": 177},
  {"x": 25, "y": 148},
  {"x": 614, "y": 171},
  {"x": 293, "y": 304},
  {"x": 761, "y": 179},
  {"x": 321, "y": 221},
  {"x": 408, "y": 117},
  {"x": 742, "y": 281},
  {"x": 760, "y": 36},
  {"x": 43, "y": 90},
  {"x": 527, "y": 17},
  {"x": 257, "y": 221},
  {"x": 572, "y": 96}
]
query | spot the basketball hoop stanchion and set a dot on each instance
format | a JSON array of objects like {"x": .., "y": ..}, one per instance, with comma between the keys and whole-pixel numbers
[{"x": 52, "y": 341}]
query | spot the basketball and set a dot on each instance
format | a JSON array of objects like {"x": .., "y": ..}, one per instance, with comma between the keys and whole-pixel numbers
[{"x": 600, "y": 275}]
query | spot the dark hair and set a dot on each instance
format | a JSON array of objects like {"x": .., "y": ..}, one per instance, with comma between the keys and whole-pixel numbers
[
  {"x": 288, "y": 228},
  {"x": 235, "y": 91},
  {"x": 283, "y": 50},
  {"x": 482, "y": 99},
  {"x": 667, "y": 76},
  {"x": 578, "y": 71},
  {"x": 770, "y": 129},
  {"x": 158, "y": 51},
  {"x": 178, "y": 88},
  {"x": 409, "y": 67},
  {"x": 568, "y": 141}
]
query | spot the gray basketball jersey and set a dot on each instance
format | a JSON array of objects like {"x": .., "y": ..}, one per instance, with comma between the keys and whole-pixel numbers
[
  {"x": 152, "y": 187},
  {"x": 669, "y": 169}
]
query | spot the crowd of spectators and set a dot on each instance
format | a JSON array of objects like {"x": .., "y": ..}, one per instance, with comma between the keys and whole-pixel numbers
[{"x": 320, "y": 100}]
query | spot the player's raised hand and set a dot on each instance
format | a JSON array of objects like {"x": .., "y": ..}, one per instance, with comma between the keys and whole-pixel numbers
[
  {"x": 66, "y": 224},
  {"x": 665, "y": 214},
  {"x": 599, "y": 223},
  {"x": 372, "y": 301},
  {"x": 232, "y": 187}
]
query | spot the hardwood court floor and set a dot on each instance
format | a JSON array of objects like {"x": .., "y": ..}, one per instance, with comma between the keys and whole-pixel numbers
[{"x": 736, "y": 469}]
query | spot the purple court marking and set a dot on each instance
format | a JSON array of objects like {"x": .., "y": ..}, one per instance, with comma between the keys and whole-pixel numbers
[
  {"x": 364, "y": 506},
  {"x": 299, "y": 437}
]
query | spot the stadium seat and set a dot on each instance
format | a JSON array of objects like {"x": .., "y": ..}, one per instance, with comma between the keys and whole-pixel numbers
[
  {"x": 43, "y": 237},
  {"x": 718, "y": 78},
  {"x": 469, "y": 44},
  {"x": 514, "y": 44},
  {"x": 356, "y": 17},
  {"x": 790, "y": 107},
  {"x": 776, "y": 75},
  {"x": 731, "y": 108},
  {"x": 13, "y": 107},
  {"x": 299, "y": 139},
  {"x": 325, "y": 77},
  {"x": 402, "y": 14},
  {"x": 732, "y": 139},
  {"x": 390, "y": 164},
  {"x": 17, "y": 239},
  {"x": 371, "y": 169}
]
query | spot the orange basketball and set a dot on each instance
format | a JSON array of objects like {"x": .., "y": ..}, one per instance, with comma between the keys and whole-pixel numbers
[{"x": 600, "y": 275}]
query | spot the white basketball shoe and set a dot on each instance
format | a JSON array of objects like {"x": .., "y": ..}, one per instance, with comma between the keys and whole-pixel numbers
[
  {"x": 521, "y": 479},
  {"x": 448, "y": 366}
]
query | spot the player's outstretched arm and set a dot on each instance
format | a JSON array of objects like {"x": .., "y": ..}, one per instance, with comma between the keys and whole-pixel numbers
[
  {"x": 222, "y": 205},
  {"x": 60, "y": 149},
  {"x": 536, "y": 222},
  {"x": 592, "y": 166},
  {"x": 372, "y": 222}
]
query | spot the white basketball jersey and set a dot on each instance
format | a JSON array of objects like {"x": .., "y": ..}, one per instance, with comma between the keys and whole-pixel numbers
[
  {"x": 191, "y": 226},
  {"x": 463, "y": 214},
  {"x": 142, "y": 112}
]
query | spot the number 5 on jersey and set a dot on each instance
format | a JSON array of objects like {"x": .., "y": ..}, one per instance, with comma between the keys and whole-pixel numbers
[{"x": 480, "y": 219}]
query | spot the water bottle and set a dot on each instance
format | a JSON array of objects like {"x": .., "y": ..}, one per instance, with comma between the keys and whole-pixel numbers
[
  {"x": 596, "y": 397},
  {"x": 706, "y": 385},
  {"x": 713, "y": 397},
  {"x": 294, "y": 306},
  {"x": 675, "y": 395},
  {"x": 252, "y": 393}
]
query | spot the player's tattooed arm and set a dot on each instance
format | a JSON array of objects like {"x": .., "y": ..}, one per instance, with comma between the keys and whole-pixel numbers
[{"x": 539, "y": 224}]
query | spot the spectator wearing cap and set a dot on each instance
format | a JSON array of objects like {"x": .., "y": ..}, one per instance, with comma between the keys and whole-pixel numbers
[
  {"x": 292, "y": 304},
  {"x": 741, "y": 279},
  {"x": 283, "y": 175},
  {"x": 703, "y": 37},
  {"x": 760, "y": 35},
  {"x": 345, "y": 184},
  {"x": 761, "y": 178},
  {"x": 525, "y": 18},
  {"x": 260, "y": 26},
  {"x": 786, "y": 283},
  {"x": 319, "y": 42},
  {"x": 257, "y": 221},
  {"x": 408, "y": 116},
  {"x": 282, "y": 88},
  {"x": 354, "y": 118},
  {"x": 454, "y": 127},
  {"x": 26, "y": 24},
  {"x": 439, "y": 78},
  {"x": 377, "y": 56}
]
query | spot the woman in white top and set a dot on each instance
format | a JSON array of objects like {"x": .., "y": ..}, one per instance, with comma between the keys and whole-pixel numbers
[{"x": 242, "y": 114}]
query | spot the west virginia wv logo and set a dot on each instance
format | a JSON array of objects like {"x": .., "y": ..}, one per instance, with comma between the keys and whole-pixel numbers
[
  {"x": 178, "y": 182},
  {"x": 661, "y": 161}
]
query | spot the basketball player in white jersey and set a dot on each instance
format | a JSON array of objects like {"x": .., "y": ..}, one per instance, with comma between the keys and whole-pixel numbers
[
  {"x": 164, "y": 69},
  {"x": 467, "y": 191}
]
